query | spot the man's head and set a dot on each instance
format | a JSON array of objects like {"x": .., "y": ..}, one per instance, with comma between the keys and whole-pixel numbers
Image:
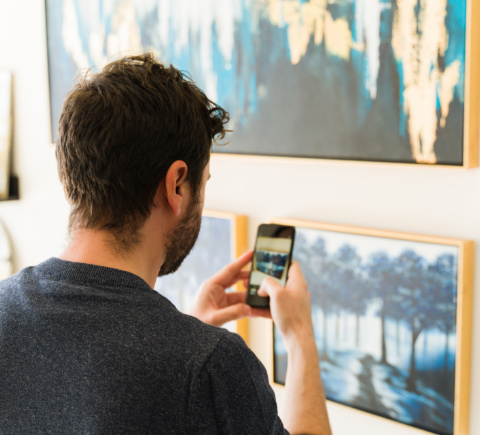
[{"x": 119, "y": 132}]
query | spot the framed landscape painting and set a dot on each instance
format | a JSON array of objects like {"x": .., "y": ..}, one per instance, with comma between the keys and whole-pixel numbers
[
  {"x": 222, "y": 238},
  {"x": 392, "y": 315},
  {"x": 395, "y": 81}
]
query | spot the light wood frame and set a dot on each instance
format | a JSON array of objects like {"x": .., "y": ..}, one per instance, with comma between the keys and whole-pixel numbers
[
  {"x": 463, "y": 313},
  {"x": 472, "y": 86}
]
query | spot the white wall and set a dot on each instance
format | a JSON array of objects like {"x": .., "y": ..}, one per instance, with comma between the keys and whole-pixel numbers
[
  {"x": 443, "y": 202},
  {"x": 37, "y": 222}
]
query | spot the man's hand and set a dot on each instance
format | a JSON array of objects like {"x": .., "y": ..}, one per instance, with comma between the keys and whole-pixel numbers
[
  {"x": 213, "y": 304},
  {"x": 305, "y": 408},
  {"x": 290, "y": 305}
]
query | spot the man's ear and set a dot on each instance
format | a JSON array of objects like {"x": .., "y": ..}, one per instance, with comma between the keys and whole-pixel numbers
[{"x": 176, "y": 186}]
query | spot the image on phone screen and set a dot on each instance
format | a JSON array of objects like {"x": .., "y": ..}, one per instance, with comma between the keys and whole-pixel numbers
[{"x": 271, "y": 258}]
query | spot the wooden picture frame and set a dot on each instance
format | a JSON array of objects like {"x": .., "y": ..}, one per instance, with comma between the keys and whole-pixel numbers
[
  {"x": 402, "y": 304},
  {"x": 222, "y": 238},
  {"x": 372, "y": 82},
  {"x": 6, "y": 90}
]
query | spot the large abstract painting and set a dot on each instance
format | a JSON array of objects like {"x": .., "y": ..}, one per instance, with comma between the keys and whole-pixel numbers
[
  {"x": 377, "y": 80},
  {"x": 222, "y": 238},
  {"x": 392, "y": 318}
]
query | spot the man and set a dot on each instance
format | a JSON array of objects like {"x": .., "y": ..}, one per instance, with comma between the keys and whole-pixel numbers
[{"x": 86, "y": 344}]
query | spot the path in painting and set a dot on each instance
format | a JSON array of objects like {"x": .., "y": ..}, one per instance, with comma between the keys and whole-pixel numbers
[
  {"x": 368, "y": 396},
  {"x": 381, "y": 389}
]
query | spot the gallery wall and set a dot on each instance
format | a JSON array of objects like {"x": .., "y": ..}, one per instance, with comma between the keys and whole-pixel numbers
[{"x": 426, "y": 200}]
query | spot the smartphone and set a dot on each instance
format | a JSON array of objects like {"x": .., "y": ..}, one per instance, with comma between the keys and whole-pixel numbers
[{"x": 271, "y": 257}]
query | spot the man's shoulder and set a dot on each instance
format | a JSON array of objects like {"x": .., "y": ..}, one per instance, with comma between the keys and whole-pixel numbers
[
  {"x": 232, "y": 392},
  {"x": 204, "y": 340},
  {"x": 14, "y": 282},
  {"x": 232, "y": 352}
]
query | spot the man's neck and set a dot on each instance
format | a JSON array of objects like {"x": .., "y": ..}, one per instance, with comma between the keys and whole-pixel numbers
[{"x": 97, "y": 247}]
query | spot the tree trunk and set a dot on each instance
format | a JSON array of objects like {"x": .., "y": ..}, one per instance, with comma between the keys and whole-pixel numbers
[
  {"x": 384, "y": 342},
  {"x": 412, "y": 378},
  {"x": 324, "y": 354},
  {"x": 445, "y": 361}
]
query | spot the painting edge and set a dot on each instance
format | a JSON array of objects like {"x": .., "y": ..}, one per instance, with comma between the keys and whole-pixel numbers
[
  {"x": 472, "y": 87},
  {"x": 464, "y": 344}
]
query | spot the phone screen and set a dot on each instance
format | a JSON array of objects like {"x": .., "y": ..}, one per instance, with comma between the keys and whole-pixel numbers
[{"x": 272, "y": 257}]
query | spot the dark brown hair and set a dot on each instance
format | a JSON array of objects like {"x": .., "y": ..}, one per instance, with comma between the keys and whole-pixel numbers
[{"x": 119, "y": 132}]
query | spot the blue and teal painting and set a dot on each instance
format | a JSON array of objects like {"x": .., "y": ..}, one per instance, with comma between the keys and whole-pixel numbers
[
  {"x": 385, "y": 319},
  {"x": 376, "y": 80}
]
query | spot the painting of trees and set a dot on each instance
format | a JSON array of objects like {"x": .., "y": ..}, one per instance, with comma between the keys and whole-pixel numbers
[{"x": 385, "y": 315}]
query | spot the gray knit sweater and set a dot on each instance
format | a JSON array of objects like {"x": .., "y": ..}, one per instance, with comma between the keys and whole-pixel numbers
[{"x": 93, "y": 350}]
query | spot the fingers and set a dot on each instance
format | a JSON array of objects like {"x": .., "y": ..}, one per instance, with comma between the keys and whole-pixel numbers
[
  {"x": 295, "y": 272},
  {"x": 233, "y": 312},
  {"x": 240, "y": 297},
  {"x": 261, "y": 312},
  {"x": 236, "y": 297},
  {"x": 233, "y": 272},
  {"x": 295, "y": 277},
  {"x": 240, "y": 276},
  {"x": 268, "y": 286}
]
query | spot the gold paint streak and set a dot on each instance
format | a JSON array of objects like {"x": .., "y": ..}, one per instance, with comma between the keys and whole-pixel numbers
[
  {"x": 418, "y": 53},
  {"x": 448, "y": 82},
  {"x": 338, "y": 37},
  {"x": 309, "y": 22}
]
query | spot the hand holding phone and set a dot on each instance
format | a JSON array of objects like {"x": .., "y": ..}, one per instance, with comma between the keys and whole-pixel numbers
[{"x": 272, "y": 257}]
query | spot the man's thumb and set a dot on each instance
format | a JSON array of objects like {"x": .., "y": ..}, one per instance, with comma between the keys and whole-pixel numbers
[{"x": 267, "y": 287}]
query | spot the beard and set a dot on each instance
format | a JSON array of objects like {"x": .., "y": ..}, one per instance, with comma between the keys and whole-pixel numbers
[{"x": 181, "y": 239}]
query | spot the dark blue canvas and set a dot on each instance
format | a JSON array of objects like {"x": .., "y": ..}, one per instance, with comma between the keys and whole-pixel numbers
[{"x": 380, "y": 80}]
